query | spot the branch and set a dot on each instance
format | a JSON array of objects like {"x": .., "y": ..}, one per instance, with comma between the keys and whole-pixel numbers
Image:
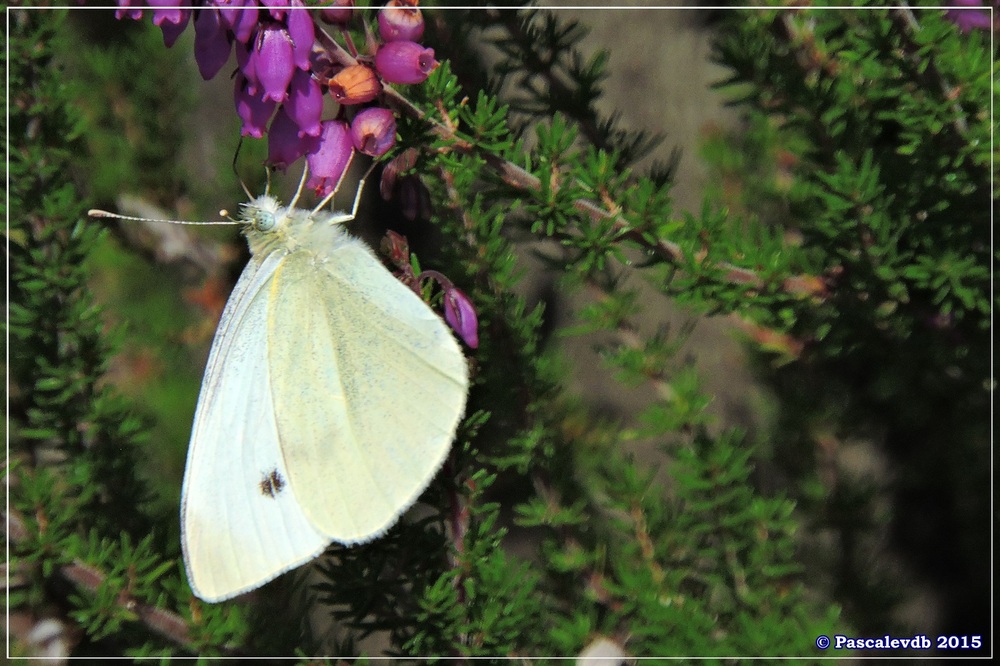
[
  {"x": 518, "y": 178},
  {"x": 169, "y": 625}
]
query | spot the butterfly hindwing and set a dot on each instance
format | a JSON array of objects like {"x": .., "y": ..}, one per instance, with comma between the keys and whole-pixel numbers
[{"x": 368, "y": 387}]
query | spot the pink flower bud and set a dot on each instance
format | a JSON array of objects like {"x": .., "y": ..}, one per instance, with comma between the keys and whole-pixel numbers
[
  {"x": 284, "y": 145},
  {"x": 405, "y": 62},
  {"x": 169, "y": 11},
  {"x": 171, "y": 19},
  {"x": 252, "y": 110},
  {"x": 338, "y": 13},
  {"x": 305, "y": 103},
  {"x": 407, "y": 188},
  {"x": 400, "y": 20},
  {"x": 245, "y": 64},
  {"x": 461, "y": 316},
  {"x": 276, "y": 8},
  {"x": 373, "y": 131},
  {"x": 355, "y": 84},
  {"x": 303, "y": 33},
  {"x": 397, "y": 247},
  {"x": 329, "y": 161},
  {"x": 212, "y": 43},
  {"x": 393, "y": 170},
  {"x": 967, "y": 19},
  {"x": 414, "y": 199},
  {"x": 273, "y": 62},
  {"x": 241, "y": 20},
  {"x": 128, "y": 9}
]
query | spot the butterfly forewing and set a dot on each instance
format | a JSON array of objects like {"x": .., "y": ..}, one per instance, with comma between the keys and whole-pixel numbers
[{"x": 241, "y": 523}]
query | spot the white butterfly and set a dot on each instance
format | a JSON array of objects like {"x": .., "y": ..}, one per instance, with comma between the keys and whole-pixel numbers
[{"x": 330, "y": 400}]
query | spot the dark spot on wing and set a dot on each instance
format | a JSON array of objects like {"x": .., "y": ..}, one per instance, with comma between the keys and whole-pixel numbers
[
  {"x": 271, "y": 483},
  {"x": 277, "y": 482}
]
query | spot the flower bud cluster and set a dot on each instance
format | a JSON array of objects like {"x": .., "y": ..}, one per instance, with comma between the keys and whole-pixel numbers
[{"x": 283, "y": 77}]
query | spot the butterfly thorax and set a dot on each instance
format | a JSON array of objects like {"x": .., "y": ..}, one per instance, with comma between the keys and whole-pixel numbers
[{"x": 270, "y": 226}]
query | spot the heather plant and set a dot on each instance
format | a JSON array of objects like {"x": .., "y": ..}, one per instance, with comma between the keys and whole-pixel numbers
[
  {"x": 854, "y": 251},
  {"x": 886, "y": 193}
]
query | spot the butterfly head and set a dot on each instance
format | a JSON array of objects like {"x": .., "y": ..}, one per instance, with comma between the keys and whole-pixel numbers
[
  {"x": 270, "y": 225},
  {"x": 264, "y": 214}
]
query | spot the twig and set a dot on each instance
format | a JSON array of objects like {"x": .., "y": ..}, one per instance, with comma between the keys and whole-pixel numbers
[
  {"x": 903, "y": 17},
  {"x": 169, "y": 625},
  {"x": 518, "y": 178}
]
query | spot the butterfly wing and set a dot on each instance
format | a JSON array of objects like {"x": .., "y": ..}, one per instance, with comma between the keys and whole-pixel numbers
[
  {"x": 368, "y": 387},
  {"x": 241, "y": 523}
]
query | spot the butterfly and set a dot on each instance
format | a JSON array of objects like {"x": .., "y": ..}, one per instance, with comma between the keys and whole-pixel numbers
[{"x": 330, "y": 399}]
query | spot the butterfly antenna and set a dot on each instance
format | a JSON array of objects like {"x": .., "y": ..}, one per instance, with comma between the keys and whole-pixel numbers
[
  {"x": 236, "y": 171},
  {"x": 267, "y": 181},
  {"x": 96, "y": 212},
  {"x": 302, "y": 184}
]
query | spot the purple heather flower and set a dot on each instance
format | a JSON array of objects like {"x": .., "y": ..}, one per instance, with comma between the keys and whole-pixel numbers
[
  {"x": 461, "y": 316},
  {"x": 284, "y": 145},
  {"x": 172, "y": 31},
  {"x": 171, "y": 19},
  {"x": 276, "y": 8},
  {"x": 414, "y": 199},
  {"x": 329, "y": 161},
  {"x": 212, "y": 43},
  {"x": 373, "y": 131},
  {"x": 338, "y": 13},
  {"x": 241, "y": 19},
  {"x": 966, "y": 15},
  {"x": 171, "y": 11},
  {"x": 404, "y": 62},
  {"x": 400, "y": 20},
  {"x": 303, "y": 33},
  {"x": 273, "y": 62},
  {"x": 128, "y": 9},
  {"x": 407, "y": 188},
  {"x": 252, "y": 110},
  {"x": 245, "y": 62},
  {"x": 305, "y": 103},
  {"x": 393, "y": 171}
]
